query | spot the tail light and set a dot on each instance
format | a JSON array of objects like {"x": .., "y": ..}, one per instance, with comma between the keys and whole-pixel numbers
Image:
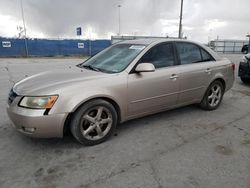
[{"x": 233, "y": 66}]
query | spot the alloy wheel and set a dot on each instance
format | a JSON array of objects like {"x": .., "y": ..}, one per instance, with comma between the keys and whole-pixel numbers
[
  {"x": 96, "y": 123},
  {"x": 214, "y": 96}
]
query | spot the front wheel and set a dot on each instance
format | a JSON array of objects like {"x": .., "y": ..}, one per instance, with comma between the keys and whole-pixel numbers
[
  {"x": 94, "y": 122},
  {"x": 213, "y": 96}
]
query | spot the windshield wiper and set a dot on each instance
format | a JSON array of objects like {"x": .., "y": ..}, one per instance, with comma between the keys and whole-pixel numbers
[{"x": 90, "y": 67}]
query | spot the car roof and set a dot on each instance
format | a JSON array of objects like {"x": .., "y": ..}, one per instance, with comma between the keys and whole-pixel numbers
[
  {"x": 149, "y": 41},
  {"x": 140, "y": 41},
  {"x": 146, "y": 41}
]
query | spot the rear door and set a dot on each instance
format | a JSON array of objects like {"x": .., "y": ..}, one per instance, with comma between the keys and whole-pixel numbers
[{"x": 195, "y": 71}]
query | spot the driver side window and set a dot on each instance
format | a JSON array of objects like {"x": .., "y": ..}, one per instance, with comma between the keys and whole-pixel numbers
[{"x": 160, "y": 56}]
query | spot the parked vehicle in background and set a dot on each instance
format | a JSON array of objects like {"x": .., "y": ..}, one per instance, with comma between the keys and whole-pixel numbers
[
  {"x": 244, "y": 49},
  {"x": 128, "y": 80},
  {"x": 244, "y": 69}
]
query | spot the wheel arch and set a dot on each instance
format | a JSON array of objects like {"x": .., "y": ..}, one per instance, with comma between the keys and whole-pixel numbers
[
  {"x": 108, "y": 99},
  {"x": 220, "y": 79}
]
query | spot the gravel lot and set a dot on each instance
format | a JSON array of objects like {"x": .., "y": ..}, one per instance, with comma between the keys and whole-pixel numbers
[{"x": 182, "y": 148}]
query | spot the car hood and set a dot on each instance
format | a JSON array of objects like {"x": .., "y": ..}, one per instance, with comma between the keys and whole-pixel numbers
[{"x": 48, "y": 82}]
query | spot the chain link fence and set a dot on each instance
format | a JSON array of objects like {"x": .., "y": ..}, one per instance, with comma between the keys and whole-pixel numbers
[{"x": 228, "y": 46}]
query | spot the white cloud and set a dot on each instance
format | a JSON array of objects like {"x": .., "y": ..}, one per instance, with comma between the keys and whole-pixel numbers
[
  {"x": 214, "y": 24},
  {"x": 59, "y": 18},
  {"x": 8, "y": 25}
]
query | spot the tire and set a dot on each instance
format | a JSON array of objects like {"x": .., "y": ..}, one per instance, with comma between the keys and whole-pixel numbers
[
  {"x": 212, "y": 97},
  {"x": 94, "y": 122},
  {"x": 245, "y": 80}
]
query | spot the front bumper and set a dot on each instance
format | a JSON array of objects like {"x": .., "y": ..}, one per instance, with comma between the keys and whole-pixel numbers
[
  {"x": 34, "y": 123},
  {"x": 244, "y": 70}
]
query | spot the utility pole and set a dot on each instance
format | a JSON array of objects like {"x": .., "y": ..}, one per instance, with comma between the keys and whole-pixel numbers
[
  {"x": 90, "y": 47},
  {"x": 24, "y": 27},
  {"x": 119, "y": 20},
  {"x": 248, "y": 35},
  {"x": 180, "y": 24}
]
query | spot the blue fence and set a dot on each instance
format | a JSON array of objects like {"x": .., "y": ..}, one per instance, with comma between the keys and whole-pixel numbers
[{"x": 11, "y": 47}]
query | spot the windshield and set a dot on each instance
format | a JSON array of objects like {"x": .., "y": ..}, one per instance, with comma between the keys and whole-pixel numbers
[{"x": 113, "y": 60}]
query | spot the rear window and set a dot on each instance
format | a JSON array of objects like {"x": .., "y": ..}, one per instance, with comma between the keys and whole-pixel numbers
[
  {"x": 188, "y": 53},
  {"x": 206, "y": 56}
]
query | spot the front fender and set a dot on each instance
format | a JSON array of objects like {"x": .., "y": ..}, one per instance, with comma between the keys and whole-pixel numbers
[{"x": 70, "y": 102}]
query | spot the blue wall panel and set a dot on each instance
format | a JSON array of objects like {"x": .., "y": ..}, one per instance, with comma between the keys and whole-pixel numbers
[{"x": 46, "y": 47}]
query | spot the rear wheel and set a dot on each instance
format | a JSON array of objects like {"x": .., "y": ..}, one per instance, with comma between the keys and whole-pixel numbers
[
  {"x": 94, "y": 122},
  {"x": 213, "y": 96},
  {"x": 245, "y": 80}
]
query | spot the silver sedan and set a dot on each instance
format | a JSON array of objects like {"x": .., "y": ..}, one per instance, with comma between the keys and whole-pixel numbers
[{"x": 128, "y": 80}]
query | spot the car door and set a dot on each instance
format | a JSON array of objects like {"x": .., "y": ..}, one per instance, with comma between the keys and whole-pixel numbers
[
  {"x": 195, "y": 71},
  {"x": 153, "y": 91}
]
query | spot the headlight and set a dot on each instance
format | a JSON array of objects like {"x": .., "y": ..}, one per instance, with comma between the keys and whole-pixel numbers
[
  {"x": 245, "y": 58},
  {"x": 44, "y": 102}
]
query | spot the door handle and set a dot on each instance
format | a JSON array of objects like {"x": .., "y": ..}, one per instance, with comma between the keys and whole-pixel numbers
[
  {"x": 208, "y": 70},
  {"x": 174, "y": 77}
]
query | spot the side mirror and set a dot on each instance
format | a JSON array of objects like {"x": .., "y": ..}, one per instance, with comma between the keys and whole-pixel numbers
[{"x": 145, "y": 67}]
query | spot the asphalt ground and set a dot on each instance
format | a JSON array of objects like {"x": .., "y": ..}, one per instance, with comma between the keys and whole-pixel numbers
[{"x": 182, "y": 148}]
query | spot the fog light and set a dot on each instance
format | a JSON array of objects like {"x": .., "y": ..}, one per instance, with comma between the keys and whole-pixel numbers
[{"x": 29, "y": 129}]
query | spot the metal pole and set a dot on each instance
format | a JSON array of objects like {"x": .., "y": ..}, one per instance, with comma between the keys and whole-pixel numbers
[
  {"x": 119, "y": 20},
  {"x": 90, "y": 47},
  {"x": 180, "y": 24},
  {"x": 24, "y": 27},
  {"x": 248, "y": 46},
  {"x": 248, "y": 35}
]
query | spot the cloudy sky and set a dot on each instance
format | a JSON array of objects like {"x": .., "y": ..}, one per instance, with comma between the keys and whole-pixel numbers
[{"x": 202, "y": 19}]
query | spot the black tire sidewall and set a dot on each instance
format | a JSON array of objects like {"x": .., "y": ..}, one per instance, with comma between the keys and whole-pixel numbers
[
  {"x": 245, "y": 80},
  {"x": 75, "y": 122}
]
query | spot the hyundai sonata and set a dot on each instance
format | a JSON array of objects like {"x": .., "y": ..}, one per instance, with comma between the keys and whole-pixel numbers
[{"x": 128, "y": 80}]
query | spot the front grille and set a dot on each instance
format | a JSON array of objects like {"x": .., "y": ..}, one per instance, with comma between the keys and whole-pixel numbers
[{"x": 12, "y": 96}]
